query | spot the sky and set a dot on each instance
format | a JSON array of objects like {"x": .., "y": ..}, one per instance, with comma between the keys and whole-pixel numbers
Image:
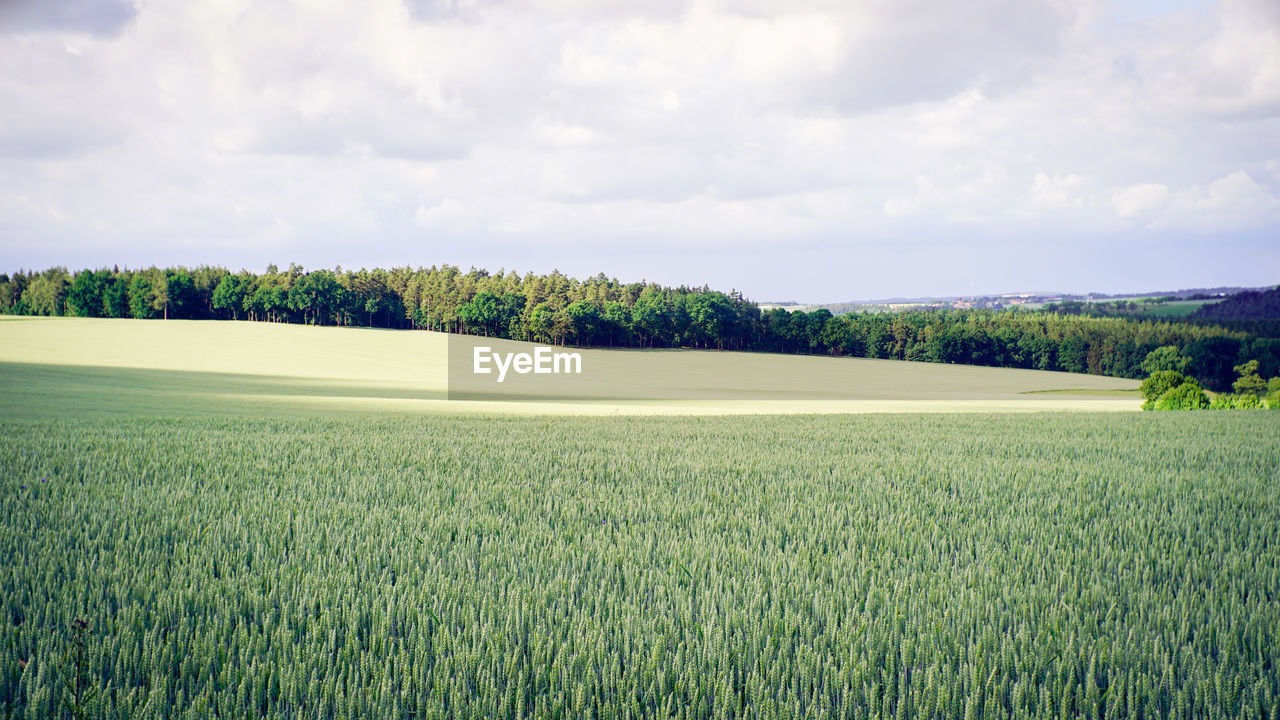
[{"x": 807, "y": 150}]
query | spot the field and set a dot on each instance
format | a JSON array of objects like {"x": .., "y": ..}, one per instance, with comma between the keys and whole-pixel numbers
[
  {"x": 1173, "y": 308},
  {"x": 262, "y": 556},
  {"x": 862, "y": 566},
  {"x": 54, "y": 367}
]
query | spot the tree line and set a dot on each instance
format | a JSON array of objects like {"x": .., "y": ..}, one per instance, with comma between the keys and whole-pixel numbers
[
  {"x": 601, "y": 311},
  {"x": 1170, "y": 387}
]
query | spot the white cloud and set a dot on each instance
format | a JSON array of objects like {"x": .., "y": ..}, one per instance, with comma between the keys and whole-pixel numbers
[
  {"x": 447, "y": 214},
  {"x": 1065, "y": 193},
  {"x": 255, "y": 130},
  {"x": 1230, "y": 202},
  {"x": 1140, "y": 200}
]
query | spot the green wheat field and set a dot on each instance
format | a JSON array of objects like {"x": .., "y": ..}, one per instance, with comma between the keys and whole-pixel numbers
[{"x": 268, "y": 558}]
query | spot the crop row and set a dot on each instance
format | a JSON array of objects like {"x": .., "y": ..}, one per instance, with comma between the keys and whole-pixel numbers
[{"x": 868, "y": 566}]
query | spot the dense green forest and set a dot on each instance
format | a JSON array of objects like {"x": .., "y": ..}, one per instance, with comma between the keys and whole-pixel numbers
[
  {"x": 600, "y": 311},
  {"x": 1248, "y": 305}
]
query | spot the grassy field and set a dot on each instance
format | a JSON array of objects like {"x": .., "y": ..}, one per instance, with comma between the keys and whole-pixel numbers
[
  {"x": 298, "y": 540},
  {"x": 1055, "y": 565},
  {"x": 1174, "y": 308},
  {"x": 51, "y": 367}
]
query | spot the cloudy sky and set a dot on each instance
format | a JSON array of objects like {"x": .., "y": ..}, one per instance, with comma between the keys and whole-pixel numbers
[{"x": 815, "y": 150}]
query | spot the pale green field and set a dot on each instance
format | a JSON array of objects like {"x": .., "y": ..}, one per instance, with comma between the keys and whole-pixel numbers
[
  {"x": 1176, "y": 308},
  {"x": 92, "y": 367}
]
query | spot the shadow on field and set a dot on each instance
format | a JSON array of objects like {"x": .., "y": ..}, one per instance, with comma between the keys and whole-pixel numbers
[{"x": 45, "y": 391}]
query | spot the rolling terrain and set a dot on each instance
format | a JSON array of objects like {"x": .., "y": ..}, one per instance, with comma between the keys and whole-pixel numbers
[
  {"x": 280, "y": 521},
  {"x": 89, "y": 367}
]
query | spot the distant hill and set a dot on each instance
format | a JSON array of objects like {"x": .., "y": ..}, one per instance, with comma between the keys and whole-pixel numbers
[
  {"x": 1247, "y": 305},
  {"x": 1166, "y": 302}
]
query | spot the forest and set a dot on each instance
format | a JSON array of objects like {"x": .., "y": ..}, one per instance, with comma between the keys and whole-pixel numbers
[
  {"x": 603, "y": 312},
  {"x": 1248, "y": 305}
]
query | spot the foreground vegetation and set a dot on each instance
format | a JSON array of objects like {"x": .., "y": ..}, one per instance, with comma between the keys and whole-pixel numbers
[
  {"x": 1167, "y": 388},
  {"x": 600, "y": 311},
  {"x": 876, "y": 566}
]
